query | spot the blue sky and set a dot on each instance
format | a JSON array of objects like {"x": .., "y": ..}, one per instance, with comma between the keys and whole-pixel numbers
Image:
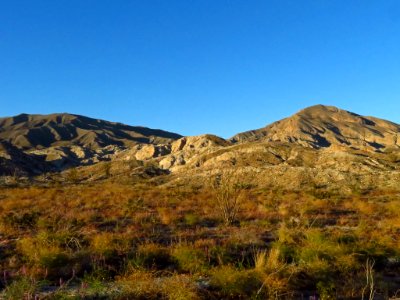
[{"x": 199, "y": 66}]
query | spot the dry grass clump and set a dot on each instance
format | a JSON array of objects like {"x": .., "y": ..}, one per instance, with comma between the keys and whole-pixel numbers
[
  {"x": 274, "y": 272},
  {"x": 233, "y": 283},
  {"x": 146, "y": 285}
]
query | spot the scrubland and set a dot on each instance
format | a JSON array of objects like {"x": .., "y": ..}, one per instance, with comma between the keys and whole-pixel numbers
[{"x": 217, "y": 239}]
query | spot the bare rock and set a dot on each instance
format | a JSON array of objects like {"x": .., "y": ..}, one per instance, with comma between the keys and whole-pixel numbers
[
  {"x": 178, "y": 145},
  {"x": 152, "y": 151},
  {"x": 80, "y": 152},
  {"x": 167, "y": 162}
]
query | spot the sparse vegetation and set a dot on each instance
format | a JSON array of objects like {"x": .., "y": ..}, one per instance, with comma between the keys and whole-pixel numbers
[{"x": 146, "y": 241}]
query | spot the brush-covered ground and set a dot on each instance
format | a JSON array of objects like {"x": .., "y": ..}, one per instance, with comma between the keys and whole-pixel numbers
[{"x": 223, "y": 237}]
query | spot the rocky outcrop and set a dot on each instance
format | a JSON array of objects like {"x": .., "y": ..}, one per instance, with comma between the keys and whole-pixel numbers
[
  {"x": 187, "y": 149},
  {"x": 152, "y": 151},
  {"x": 198, "y": 142}
]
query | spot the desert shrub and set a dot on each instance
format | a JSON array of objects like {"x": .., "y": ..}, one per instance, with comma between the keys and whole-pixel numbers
[
  {"x": 191, "y": 219},
  {"x": 138, "y": 284},
  {"x": 326, "y": 290},
  {"x": 57, "y": 222},
  {"x": 26, "y": 220},
  {"x": 347, "y": 239},
  {"x": 64, "y": 238},
  {"x": 108, "y": 245},
  {"x": 72, "y": 175},
  {"x": 179, "y": 287},
  {"x": 218, "y": 255},
  {"x": 107, "y": 168},
  {"x": 270, "y": 262},
  {"x": 317, "y": 254},
  {"x": 166, "y": 216},
  {"x": 287, "y": 252},
  {"x": 235, "y": 283},
  {"x": 50, "y": 259},
  {"x": 93, "y": 284},
  {"x": 287, "y": 235},
  {"x": 189, "y": 259},
  {"x": 23, "y": 288},
  {"x": 228, "y": 189},
  {"x": 54, "y": 259},
  {"x": 153, "y": 256},
  {"x": 273, "y": 273},
  {"x": 260, "y": 260},
  {"x": 103, "y": 244},
  {"x": 232, "y": 252}
]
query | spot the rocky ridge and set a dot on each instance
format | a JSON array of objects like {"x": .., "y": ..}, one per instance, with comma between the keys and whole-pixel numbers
[{"x": 318, "y": 137}]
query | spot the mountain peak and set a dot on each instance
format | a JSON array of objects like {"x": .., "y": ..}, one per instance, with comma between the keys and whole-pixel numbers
[
  {"x": 320, "y": 109},
  {"x": 321, "y": 126}
]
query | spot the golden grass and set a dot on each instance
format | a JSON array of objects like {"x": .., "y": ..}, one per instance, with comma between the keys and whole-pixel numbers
[{"x": 160, "y": 241}]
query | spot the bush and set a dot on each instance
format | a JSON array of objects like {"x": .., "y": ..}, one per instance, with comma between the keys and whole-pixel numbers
[
  {"x": 103, "y": 244},
  {"x": 23, "y": 288},
  {"x": 227, "y": 192},
  {"x": 326, "y": 290},
  {"x": 26, "y": 220},
  {"x": 179, "y": 287},
  {"x": 236, "y": 283},
  {"x": 189, "y": 259},
  {"x": 54, "y": 259},
  {"x": 153, "y": 256},
  {"x": 49, "y": 258},
  {"x": 191, "y": 219}
]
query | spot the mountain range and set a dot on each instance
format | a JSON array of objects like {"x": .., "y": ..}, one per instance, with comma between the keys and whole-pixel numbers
[
  {"x": 36, "y": 144},
  {"x": 42, "y": 131}
]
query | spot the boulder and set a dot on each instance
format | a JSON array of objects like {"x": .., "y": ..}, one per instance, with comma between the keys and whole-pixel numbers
[
  {"x": 147, "y": 152},
  {"x": 178, "y": 145},
  {"x": 152, "y": 151},
  {"x": 167, "y": 162}
]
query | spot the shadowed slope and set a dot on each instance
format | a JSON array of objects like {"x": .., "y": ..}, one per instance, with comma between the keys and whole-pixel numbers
[{"x": 43, "y": 131}]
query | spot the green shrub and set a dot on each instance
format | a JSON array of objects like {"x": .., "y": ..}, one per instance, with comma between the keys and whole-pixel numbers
[
  {"x": 23, "y": 288},
  {"x": 189, "y": 259},
  {"x": 191, "y": 219},
  {"x": 53, "y": 260},
  {"x": 326, "y": 290},
  {"x": 236, "y": 283}
]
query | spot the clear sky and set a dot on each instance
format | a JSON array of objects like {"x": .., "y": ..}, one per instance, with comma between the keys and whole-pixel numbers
[{"x": 199, "y": 66}]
